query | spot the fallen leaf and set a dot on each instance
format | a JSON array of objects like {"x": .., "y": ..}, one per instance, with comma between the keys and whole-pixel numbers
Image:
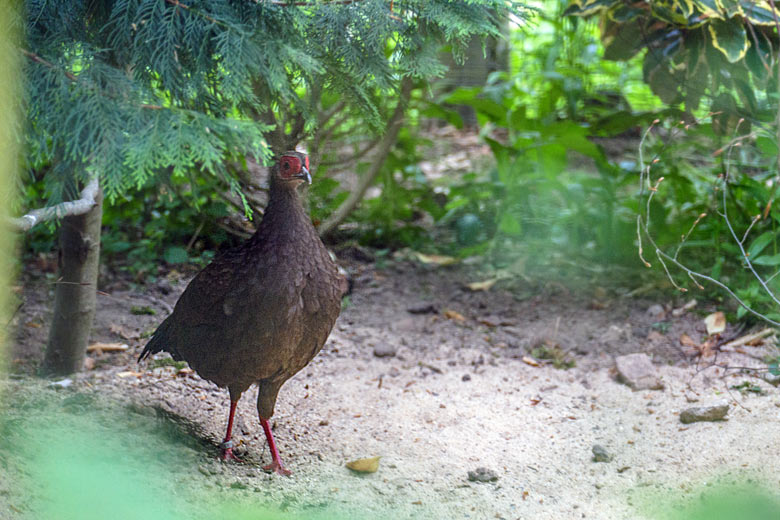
[
  {"x": 482, "y": 286},
  {"x": 708, "y": 347},
  {"x": 685, "y": 308},
  {"x": 688, "y": 341},
  {"x": 530, "y": 361},
  {"x": 716, "y": 323},
  {"x": 122, "y": 332},
  {"x": 107, "y": 347},
  {"x": 367, "y": 465},
  {"x": 89, "y": 363},
  {"x": 655, "y": 336},
  {"x": 489, "y": 321},
  {"x": 454, "y": 315},
  {"x": 128, "y": 373},
  {"x": 436, "y": 259}
]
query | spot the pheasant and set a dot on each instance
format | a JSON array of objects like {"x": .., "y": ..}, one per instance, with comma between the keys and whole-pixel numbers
[{"x": 260, "y": 312}]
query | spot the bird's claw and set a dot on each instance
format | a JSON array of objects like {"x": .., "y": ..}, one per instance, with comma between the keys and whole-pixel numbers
[
  {"x": 227, "y": 454},
  {"x": 276, "y": 467}
]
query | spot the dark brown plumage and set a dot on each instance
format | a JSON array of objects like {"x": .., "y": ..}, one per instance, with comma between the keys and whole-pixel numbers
[{"x": 260, "y": 312}]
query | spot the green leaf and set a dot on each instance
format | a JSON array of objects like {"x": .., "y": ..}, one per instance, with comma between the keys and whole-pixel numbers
[
  {"x": 622, "y": 40},
  {"x": 656, "y": 73},
  {"x": 760, "y": 243},
  {"x": 767, "y": 260},
  {"x": 757, "y": 12},
  {"x": 587, "y": 7},
  {"x": 176, "y": 255},
  {"x": 510, "y": 224},
  {"x": 730, "y": 38}
]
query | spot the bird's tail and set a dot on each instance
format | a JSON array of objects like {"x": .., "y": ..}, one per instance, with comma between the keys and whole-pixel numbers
[{"x": 158, "y": 342}]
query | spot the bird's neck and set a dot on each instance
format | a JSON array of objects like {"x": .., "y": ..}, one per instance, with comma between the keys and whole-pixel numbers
[{"x": 284, "y": 213}]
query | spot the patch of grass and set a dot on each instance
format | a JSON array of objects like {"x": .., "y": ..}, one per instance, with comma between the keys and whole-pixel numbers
[
  {"x": 560, "y": 359},
  {"x": 746, "y": 387},
  {"x": 661, "y": 326},
  {"x": 168, "y": 362},
  {"x": 142, "y": 310}
]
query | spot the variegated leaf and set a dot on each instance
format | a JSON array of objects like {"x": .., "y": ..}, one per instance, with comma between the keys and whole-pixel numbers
[{"x": 730, "y": 38}]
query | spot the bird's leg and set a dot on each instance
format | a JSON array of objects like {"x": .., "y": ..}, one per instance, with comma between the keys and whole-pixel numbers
[
  {"x": 227, "y": 444},
  {"x": 276, "y": 465}
]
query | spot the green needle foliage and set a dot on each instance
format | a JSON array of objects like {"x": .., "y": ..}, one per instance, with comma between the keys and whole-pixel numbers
[{"x": 124, "y": 89}]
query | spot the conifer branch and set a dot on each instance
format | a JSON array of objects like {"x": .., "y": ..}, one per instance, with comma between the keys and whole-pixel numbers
[
  {"x": 68, "y": 74},
  {"x": 390, "y": 138},
  {"x": 64, "y": 209},
  {"x": 37, "y": 59}
]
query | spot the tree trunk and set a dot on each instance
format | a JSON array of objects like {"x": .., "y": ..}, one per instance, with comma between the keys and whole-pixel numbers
[{"x": 76, "y": 292}]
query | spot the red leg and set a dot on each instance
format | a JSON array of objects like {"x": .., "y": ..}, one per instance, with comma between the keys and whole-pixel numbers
[
  {"x": 227, "y": 444},
  {"x": 276, "y": 465}
]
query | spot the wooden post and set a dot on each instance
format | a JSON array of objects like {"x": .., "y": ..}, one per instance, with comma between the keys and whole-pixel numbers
[{"x": 76, "y": 293}]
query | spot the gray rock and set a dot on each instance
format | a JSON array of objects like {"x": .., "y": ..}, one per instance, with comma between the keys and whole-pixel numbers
[
  {"x": 385, "y": 350},
  {"x": 638, "y": 372},
  {"x": 482, "y": 475},
  {"x": 600, "y": 453},
  {"x": 656, "y": 311},
  {"x": 772, "y": 379},
  {"x": 714, "y": 412},
  {"x": 614, "y": 335},
  {"x": 423, "y": 308}
]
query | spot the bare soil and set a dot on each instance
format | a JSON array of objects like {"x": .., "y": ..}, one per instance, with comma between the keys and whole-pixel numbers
[{"x": 460, "y": 392}]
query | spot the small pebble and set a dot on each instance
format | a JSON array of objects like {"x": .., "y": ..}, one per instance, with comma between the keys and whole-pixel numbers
[
  {"x": 465, "y": 377},
  {"x": 423, "y": 308},
  {"x": 482, "y": 475},
  {"x": 384, "y": 350},
  {"x": 600, "y": 453},
  {"x": 714, "y": 412}
]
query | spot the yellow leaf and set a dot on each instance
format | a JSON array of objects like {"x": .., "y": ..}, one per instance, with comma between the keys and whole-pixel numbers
[
  {"x": 530, "y": 361},
  {"x": 482, "y": 286},
  {"x": 107, "y": 347},
  {"x": 716, "y": 323},
  {"x": 128, "y": 373},
  {"x": 367, "y": 465},
  {"x": 454, "y": 315},
  {"x": 435, "y": 259}
]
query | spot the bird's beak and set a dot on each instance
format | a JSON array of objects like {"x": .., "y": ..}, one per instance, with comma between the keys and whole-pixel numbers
[{"x": 304, "y": 174}]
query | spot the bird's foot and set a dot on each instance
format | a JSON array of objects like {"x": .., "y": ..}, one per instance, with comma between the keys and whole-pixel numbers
[
  {"x": 276, "y": 467},
  {"x": 226, "y": 452}
]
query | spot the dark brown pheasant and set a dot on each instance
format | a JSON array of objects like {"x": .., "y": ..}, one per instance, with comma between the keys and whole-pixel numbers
[{"x": 260, "y": 312}]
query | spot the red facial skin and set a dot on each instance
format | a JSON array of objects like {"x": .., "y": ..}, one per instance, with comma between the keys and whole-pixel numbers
[{"x": 290, "y": 165}]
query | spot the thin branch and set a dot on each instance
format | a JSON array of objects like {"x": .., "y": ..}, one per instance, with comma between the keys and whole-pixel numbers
[
  {"x": 37, "y": 59},
  {"x": 643, "y": 222},
  {"x": 354, "y": 157},
  {"x": 390, "y": 138},
  {"x": 64, "y": 209}
]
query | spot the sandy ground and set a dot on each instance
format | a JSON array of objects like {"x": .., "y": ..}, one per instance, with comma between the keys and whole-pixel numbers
[{"x": 456, "y": 395}]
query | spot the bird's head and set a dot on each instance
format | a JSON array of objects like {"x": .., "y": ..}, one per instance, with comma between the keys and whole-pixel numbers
[{"x": 293, "y": 168}]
